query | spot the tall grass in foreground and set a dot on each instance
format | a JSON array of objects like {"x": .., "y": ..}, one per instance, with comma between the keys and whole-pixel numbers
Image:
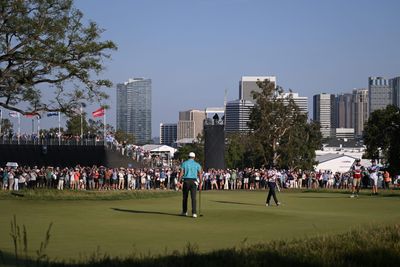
[{"x": 372, "y": 246}]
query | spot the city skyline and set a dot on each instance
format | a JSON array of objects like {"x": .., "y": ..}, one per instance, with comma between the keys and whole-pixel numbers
[{"x": 195, "y": 51}]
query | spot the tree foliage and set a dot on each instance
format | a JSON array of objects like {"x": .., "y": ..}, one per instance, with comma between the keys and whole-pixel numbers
[
  {"x": 6, "y": 126},
  {"x": 380, "y": 134},
  {"x": 122, "y": 137},
  {"x": 77, "y": 125},
  {"x": 281, "y": 135},
  {"x": 46, "y": 46},
  {"x": 240, "y": 152}
]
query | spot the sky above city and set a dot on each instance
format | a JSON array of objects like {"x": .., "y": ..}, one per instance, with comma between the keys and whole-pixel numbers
[{"x": 195, "y": 50}]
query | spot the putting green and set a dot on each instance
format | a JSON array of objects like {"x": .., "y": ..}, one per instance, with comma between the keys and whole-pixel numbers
[{"x": 123, "y": 227}]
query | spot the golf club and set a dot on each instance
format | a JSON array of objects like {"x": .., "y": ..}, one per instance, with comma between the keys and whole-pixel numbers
[{"x": 200, "y": 214}]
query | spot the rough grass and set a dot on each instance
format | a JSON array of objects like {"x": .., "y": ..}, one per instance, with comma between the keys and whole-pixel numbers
[{"x": 374, "y": 246}]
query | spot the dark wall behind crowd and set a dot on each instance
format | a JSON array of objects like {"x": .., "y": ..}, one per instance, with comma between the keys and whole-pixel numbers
[{"x": 53, "y": 155}]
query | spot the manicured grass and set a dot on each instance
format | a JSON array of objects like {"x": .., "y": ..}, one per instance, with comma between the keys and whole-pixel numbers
[
  {"x": 151, "y": 226},
  {"x": 46, "y": 194}
]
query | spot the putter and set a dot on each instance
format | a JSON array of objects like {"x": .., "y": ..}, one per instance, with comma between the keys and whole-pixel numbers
[{"x": 200, "y": 214}]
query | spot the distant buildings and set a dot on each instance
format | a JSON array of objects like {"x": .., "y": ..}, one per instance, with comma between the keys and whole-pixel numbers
[
  {"x": 360, "y": 110},
  {"x": 134, "y": 108},
  {"x": 395, "y": 84},
  {"x": 323, "y": 112},
  {"x": 237, "y": 116},
  {"x": 380, "y": 93},
  {"x": 168, "y": 133},
  {"x": 343, "y": 111},
  {"x": 300, "y": 101},
  {"x": 190, "y": 124},
  {"x": 248, "y": 84}
]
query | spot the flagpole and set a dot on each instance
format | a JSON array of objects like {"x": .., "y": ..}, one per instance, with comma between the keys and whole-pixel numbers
[
  {"x": 81, "y": 123},
  {"x": 104, "y": 122},
  {"x": 59, "y": 128},
  {"x": 19, "y": 127},
  {"x": 1, "y": 120}
]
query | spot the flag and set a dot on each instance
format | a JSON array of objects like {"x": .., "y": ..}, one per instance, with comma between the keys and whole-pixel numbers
[
  {"x": 98, "y": 113},
  {"x": 31, "y": 115},
  {"x": 13, "y": 114},
  {"x": 50, "y": 114}
]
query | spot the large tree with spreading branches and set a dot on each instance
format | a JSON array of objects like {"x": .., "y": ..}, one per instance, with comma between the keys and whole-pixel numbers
[
  {"x": 46, "y": 46},
  {"x": 280, "y": 132}
]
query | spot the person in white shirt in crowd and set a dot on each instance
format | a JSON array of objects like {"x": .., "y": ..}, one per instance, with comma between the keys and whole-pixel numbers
[
  {"x": 227, "y": 177},
  {"x": 373, "y": 174}
]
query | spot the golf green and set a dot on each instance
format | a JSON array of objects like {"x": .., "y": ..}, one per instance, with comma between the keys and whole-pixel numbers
[{"x": 123, "y": 227}]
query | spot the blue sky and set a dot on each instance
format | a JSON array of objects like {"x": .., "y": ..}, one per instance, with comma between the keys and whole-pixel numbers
[{"x": 194, "y": 50}]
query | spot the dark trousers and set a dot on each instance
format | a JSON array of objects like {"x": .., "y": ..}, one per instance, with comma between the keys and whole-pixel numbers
[
  {"x": 189, "y": 185},
  {"x": 272, "y": 193}
]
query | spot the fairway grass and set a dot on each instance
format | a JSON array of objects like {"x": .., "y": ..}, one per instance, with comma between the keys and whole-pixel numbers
[{"x": 152, "y": 226}]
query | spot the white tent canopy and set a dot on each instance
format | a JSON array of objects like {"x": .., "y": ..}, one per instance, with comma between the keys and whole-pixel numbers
[
  {"x": 160, "y": 149},
  {"x": 334, "y": 162}
]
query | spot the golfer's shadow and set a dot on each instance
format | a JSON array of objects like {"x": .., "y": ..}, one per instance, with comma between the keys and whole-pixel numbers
[
  {"x": 146, "y": 212},
  {"x": 236, "y": 203}
]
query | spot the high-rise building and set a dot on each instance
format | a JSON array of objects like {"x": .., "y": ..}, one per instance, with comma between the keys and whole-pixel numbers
[
  {"x": 323, "y": 112},
  {"x": 248, "y": 84},
  {"x": 134, "y": 108},
  {"x": 343, "y": 111},
  {"x": 300, "y": 101},
  {"x": 395, "y": 84},
  {"x": 168, "y": 133},
  {"x": 360, "y": 110},
  {"x": 380, "y": 93},
  {"x": 237, "y": 116},
  {"x": 190, "y": 124}
]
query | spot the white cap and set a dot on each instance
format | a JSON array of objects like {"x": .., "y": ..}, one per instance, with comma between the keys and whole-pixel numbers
[{"x": 192, "y": 155}]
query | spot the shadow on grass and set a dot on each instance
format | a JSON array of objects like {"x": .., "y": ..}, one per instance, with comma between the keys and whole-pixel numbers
[
  {"x": 236, "y": 203},
  {"x": 365, "y": 192},
  {"x": 146, "y": 212}
]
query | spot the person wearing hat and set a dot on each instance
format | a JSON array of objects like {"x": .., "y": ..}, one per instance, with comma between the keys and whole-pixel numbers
[
  {"x": 357, "y": 170},
  {"x": 190, "y": 172}
]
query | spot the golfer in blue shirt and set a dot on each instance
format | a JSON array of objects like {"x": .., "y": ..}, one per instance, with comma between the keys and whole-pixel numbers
[{"x": 190, "y": 173}]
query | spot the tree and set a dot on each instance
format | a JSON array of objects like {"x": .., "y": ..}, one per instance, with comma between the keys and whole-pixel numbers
[
  {"x": 241, "y": 152},
  {"x": 183, "y": 152},
  {"x": 122, "y": 136},
  {"x": 96, "y": 127},
  {"x": 6, "y": 126},
  {"x": 380, "y": 136},
  {"x": 270, "y": 119},
  {"x": 299, "y": 144},
  {"x": 45, "y": 46},
  {"x": 280, "y": 132},
  {"x": 77, "y": 125}
]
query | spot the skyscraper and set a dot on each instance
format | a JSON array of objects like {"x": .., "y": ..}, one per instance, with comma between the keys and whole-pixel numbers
[
  {"x": 190, "y": 123},
  {"x": 237, "y": 116},
  {"x": 323, "y": 112},
  {"x": 395, "y": 84},
  {"x": 168, "y": 133},
  {"x": 134, "y": 108},
  {"x": 249, "y": 83},
  {"x": 360, "y": 110},
  {"x": 380, "y": 93},
  {"x": 343, "y": 111},
  {"x": 301, "y": 101}
]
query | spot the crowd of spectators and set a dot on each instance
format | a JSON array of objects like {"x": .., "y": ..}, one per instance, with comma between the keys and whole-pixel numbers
[{"x": 103, "y": 178}]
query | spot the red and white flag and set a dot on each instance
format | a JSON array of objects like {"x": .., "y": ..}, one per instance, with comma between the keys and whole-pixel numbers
[{"x": 98, "y": 113}]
